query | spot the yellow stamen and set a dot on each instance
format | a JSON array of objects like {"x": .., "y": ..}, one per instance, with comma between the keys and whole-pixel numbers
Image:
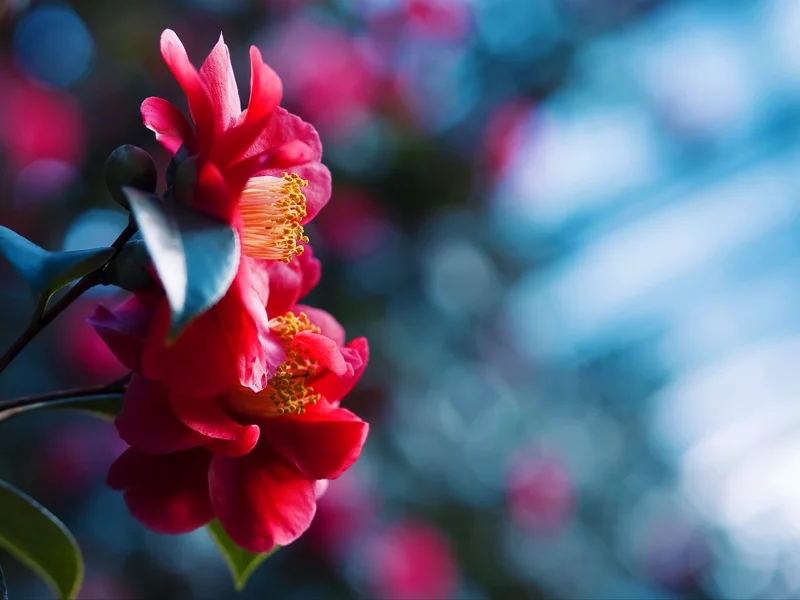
[
  {"x": 287, "y": 392},
  {"x": 272, "y": 209}
]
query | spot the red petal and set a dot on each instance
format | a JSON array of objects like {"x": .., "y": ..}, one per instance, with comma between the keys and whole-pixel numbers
[
  {"x": 189, "y": 79},
  {"x": 282, "y": 128},
  {"x": 148, "y": 424},
  {"x": 325, "y": 350},
  {"x": 227, "y": 346},
  {"x": 334, "y": 388},
  {"x": 266, "y": 90},
  {"x": 322, "y": 443},
  {"x": 220, "y": 81},
  {"x": 169, "y": 125},
  {"x": 167, "y": 493},
  {"x": 325, "y": 321},
  {"x": 290, "y": 282},
  {"x": 202, "y": 185},
  {"x": 208, "y": 417},
  {"x": 260, "y": 500},
  {"x": 124, "y": 328}
]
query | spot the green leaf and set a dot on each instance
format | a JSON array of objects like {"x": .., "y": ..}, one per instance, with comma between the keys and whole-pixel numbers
[
  {"x": 241, "y": 563},
  {"x": 46, "y": 272},
  {"x": 196, "y": 255},
  {"x": 37, "y": 538}
]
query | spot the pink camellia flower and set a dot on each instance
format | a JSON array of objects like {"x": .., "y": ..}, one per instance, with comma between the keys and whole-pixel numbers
[
  {"x": 344, "y": 515},
  {"x": 540, "y": 492},
  {"x": 37, "y": 123},
  {"x": 503, "y": 136},
  {"x": 258, "y": 169},
  {"x": 412, "y": 561},
  {"x": 328, "y": 77},
  {"x": 253, "y": 460}
]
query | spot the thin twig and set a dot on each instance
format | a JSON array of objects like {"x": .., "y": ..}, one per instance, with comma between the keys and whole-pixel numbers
[
  {"x": 88, "y": 281},
  {"x": 13, "y": 406}
]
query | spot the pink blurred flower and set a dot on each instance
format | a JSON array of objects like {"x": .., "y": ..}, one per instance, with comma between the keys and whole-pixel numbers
[
  {"x": 76, "y": 456},
  {"x": 412, "y": 561},
  {"x": 327, "y": 77},
  {"x": 672, "y": 552},
  {"x": 540, "y": 492},
  {"x": 82, "y": 349},
  {"x": 344, "y": 514},
  {"x": 37, "y": 123},
  {"x": 353, "y": 225},
  {"x": 503, "y": 135}
]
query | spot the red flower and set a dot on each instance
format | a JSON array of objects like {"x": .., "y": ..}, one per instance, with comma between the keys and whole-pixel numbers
[
  {"x": 256, "y": 168},
  {"x": 251, "y": 459}
]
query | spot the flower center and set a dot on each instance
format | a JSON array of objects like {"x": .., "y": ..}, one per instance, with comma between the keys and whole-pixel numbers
[
  {"x": 272, "y": 209},
  {"x": 287, "y": 392}
]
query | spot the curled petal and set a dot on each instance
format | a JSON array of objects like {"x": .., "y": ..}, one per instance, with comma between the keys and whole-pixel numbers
[
  {"x": 170, "y": 126},
  {"x": 207, "y": 416},
  {"x": 266, "y": 90},
  {"x": 148, "y": 423},
  {"x": 326, "y": 351},
  {"x": 167, "y": 493},
  {"x": 290, "y": 282},
  {"x": 217, "y": 75},
  {"x": 322, "y": 443},
  {"x": 332, "y": 387},
  {"x": 124, "y": 329},
  {"x": 328, "y": 325},
  {"x": 260, "y": 499},
  {"x": 189, "y": 79}
]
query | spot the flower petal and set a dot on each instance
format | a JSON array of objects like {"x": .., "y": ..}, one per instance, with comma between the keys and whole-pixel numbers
[
  {"x": 220, "y": 81},
  {"x": 124, "y": 328},
  {"x": 170, "y": 126},
  {"x": 281, "y": 129},
  {"x": 266, "y": 90},
  {"x": 290, "y": 282},
  {"x": 167, "y": 493},
  {"x": 207, "y": 416},
  {"x": 189, "y": 79},
  {"x": 325, "y": 350},
  {"x": 148, "y": 423},
  {"x": 322, "y": 443},
  {"x": 260, "y": 500},
  {"x": 332, "y": 387},
  {"x": 229, "y": 345},
  {"x": 325, "y": 321}
]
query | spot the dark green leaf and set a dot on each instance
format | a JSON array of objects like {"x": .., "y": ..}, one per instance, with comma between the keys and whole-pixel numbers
[
  {"x": 105, "y": 407},
  {"x": 46, "y": 272},
  {"x": 62, "y": 267},
  {"x": 241, "y": 563},
  {"x": 37, "y": 538},
  {"x": 3, "y": 586},
  {"x": 196, "y": 255}
]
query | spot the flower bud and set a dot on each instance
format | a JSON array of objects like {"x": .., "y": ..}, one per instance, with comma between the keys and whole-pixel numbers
[
  {"x": 130, "y": 166},
  {"x": 130, "y": 268}
]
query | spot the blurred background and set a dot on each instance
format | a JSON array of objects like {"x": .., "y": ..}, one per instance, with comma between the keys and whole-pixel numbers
[{"x": 569, "y": 229}]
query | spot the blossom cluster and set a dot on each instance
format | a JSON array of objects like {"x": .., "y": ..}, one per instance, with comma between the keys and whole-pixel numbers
[{"x": 238, "y": 418}]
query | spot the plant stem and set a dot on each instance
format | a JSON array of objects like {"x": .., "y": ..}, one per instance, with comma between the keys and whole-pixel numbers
[
  {"x": 9, "y": 408},
  {"x": 85, "y": 283}
]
